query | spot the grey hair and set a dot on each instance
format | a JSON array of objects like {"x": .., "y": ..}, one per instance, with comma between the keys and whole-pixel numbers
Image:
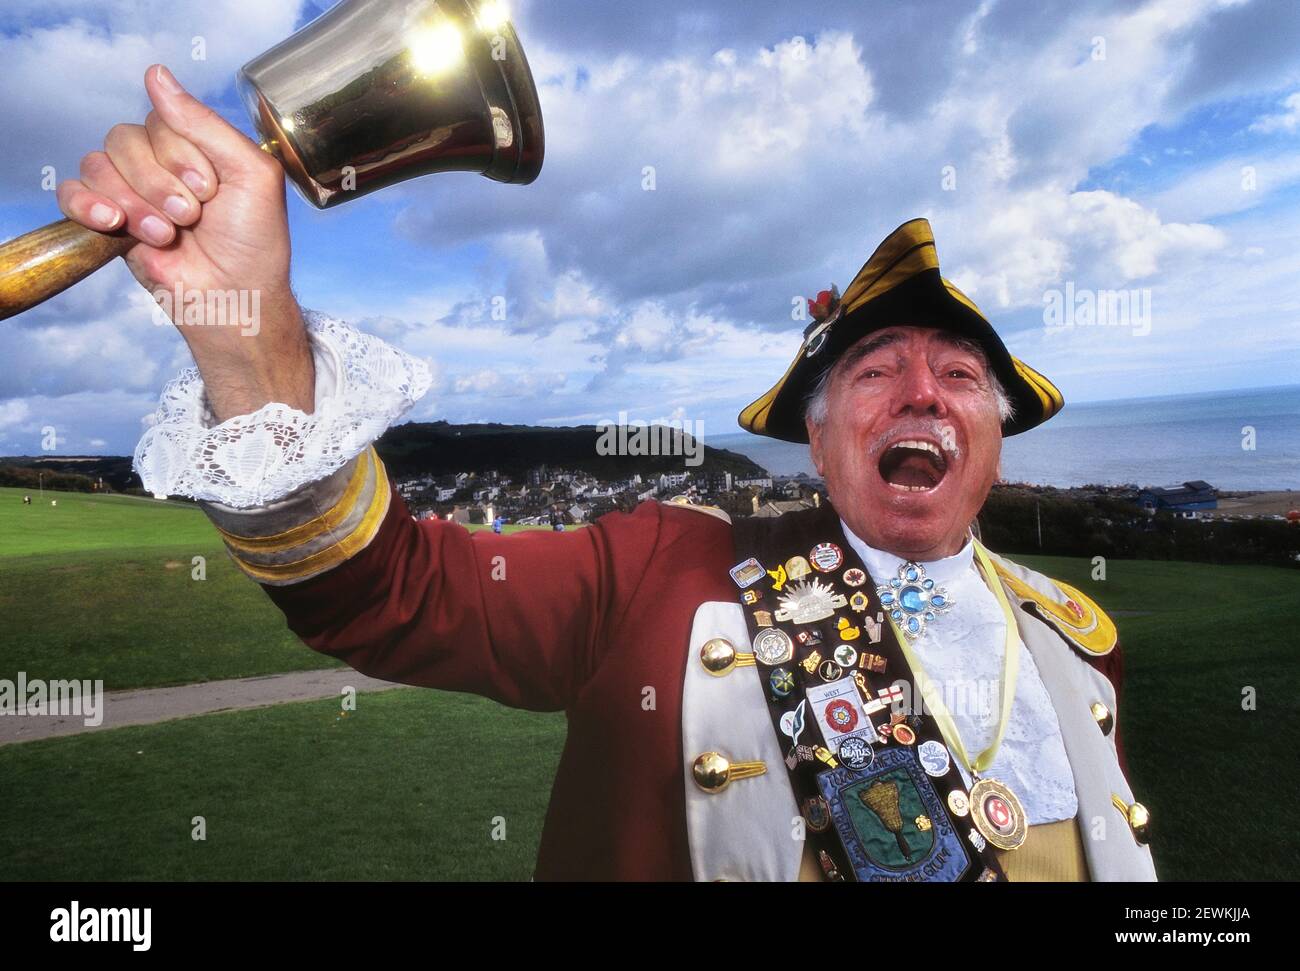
[{"x": 817, "y": 401}]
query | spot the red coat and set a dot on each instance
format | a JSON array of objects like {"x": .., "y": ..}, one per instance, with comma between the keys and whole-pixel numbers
[{"x": 583, "y": 622}]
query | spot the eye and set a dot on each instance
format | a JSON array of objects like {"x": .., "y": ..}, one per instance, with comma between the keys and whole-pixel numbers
[{"x": 869, "y": 372}]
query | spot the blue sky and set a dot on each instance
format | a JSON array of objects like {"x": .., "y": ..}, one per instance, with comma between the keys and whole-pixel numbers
[{"x": 1105, "y": 145}]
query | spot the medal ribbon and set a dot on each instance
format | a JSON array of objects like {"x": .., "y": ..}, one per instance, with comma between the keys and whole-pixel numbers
[{"x": 1010, "y": 669}]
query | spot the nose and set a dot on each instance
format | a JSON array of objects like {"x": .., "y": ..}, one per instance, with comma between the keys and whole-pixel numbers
[{"x": 917, "y": 391}]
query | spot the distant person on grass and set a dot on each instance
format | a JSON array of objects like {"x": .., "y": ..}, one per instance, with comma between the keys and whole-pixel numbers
[{"x": 924, "y": 708}]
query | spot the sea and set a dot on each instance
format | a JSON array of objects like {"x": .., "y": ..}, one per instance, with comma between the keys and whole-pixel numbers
[{"x": 1234, "y": 440}]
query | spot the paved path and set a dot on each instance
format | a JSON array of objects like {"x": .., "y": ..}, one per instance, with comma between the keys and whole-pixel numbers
[{"x": 150, "y": 705}]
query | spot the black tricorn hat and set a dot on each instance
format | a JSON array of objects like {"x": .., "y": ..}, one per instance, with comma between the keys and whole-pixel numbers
[{"x": 900, "y": 285}]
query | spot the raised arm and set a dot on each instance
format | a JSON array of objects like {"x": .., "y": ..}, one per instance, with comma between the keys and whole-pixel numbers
[
  {"x": 206, "y": 207},
  {"x": 272, "y": 434},
  {"x": 521, "y": 618}
]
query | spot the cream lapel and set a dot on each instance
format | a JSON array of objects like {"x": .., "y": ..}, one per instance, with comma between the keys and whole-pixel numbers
[
  {"x": 1073, "y": 685},
  {"x": 747, "y": 831}
]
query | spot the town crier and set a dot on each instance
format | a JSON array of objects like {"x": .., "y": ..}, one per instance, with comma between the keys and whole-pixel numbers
[{"x": 861, "y": 691}]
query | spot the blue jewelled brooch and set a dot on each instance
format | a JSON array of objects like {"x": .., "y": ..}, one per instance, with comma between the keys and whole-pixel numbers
[{"x": 912, "y": 599}]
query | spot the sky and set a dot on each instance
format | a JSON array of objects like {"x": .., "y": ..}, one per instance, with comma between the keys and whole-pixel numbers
[{"x": 1058, "y": 149}]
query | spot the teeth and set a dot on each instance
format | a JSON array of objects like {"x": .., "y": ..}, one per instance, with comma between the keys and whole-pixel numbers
[
  {"x": 919, "y": 445},
  {"x": 908, "y": 488}
]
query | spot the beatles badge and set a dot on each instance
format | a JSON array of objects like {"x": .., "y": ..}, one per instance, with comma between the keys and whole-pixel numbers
[{"x": 857, "y": 753}]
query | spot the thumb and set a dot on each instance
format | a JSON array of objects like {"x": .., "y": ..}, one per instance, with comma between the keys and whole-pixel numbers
[{"x": 231, "y": 153}]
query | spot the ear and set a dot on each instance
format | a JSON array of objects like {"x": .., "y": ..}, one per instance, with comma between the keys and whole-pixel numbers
[{"x": 815, "y": 444}]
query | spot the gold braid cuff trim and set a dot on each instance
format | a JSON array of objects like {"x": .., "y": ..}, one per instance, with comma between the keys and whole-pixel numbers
[
  {"x": 330, "y": 520},
  {"x": 331, "y": 556}
]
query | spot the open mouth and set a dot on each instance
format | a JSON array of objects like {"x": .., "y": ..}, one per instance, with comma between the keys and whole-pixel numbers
[{"x": 913, "y": 465}]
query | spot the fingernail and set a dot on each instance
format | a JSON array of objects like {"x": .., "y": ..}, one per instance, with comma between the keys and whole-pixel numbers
[
  {"x": 157, "y": 231},
  {"x": 168, "y": 82},
  {"x": 196, "y": 183},
  {"x": 105, "y": 216},
  {"x": 176, "y": 207}
]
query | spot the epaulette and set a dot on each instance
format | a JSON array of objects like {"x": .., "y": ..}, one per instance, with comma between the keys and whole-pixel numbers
[
  {"x": 1069, "y": 610},
  {"x": 681, "y": 502}
]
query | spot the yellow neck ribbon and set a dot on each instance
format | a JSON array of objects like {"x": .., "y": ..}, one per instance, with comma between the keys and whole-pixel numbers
[{"x": 931, "y": 695}]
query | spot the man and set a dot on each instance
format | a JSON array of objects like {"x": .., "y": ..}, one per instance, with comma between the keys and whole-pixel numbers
[{"x": 858, "y": 692}]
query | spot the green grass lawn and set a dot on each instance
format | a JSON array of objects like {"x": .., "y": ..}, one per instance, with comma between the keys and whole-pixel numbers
[
  {"x": 101, "y": 587},
  {"x": 123, "y": 605},
  {"x": 295, "y": 793},
  {"x": 1220, "y": 781},
  {"x": 288, "y": 793}
]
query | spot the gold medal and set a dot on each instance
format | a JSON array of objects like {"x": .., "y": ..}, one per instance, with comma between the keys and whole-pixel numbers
[{"x": 997, "y": 814}]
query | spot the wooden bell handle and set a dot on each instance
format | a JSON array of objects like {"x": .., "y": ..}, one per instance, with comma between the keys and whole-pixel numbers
[{"x": 46, "y": 261}]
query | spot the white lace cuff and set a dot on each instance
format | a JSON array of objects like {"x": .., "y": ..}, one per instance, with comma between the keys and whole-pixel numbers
[{"x": 363, "y": 385}]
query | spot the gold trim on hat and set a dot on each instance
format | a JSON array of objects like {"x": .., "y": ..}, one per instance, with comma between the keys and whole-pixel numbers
[{"x": 904, "y": 253}]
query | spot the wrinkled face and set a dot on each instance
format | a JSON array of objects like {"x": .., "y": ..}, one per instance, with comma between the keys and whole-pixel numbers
[{"x": 911, "y": 440}]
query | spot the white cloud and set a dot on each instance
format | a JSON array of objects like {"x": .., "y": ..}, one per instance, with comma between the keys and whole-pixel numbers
[
  {"x": 66, "y": 83},
  {"x": 1282, "y": 121},
  {"x": 778, "y": 165}
]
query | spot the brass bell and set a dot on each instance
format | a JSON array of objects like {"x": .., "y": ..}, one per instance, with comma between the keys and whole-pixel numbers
[
  {"x": 375, "y": 92},
  {"x": 370, "y": 93},
  {"x": 1101, "y": 714},
  {"x": 713, "y": 772}
]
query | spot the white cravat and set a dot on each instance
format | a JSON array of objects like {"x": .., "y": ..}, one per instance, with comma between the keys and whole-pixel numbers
[{"x": 961, "y": 651}]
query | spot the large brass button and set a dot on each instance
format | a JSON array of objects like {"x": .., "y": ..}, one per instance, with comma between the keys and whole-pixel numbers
[
  {"x": 713, "y": 771},
  {"x": 1139, "y": 820},
  {"x": 719, "y": 656},
  {"x": 1105, "y": 720},
  {"x": 1137, "y": 817}
]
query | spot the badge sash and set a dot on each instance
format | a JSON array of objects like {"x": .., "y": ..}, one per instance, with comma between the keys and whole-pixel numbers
[{"x": 879, "y": 790}]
